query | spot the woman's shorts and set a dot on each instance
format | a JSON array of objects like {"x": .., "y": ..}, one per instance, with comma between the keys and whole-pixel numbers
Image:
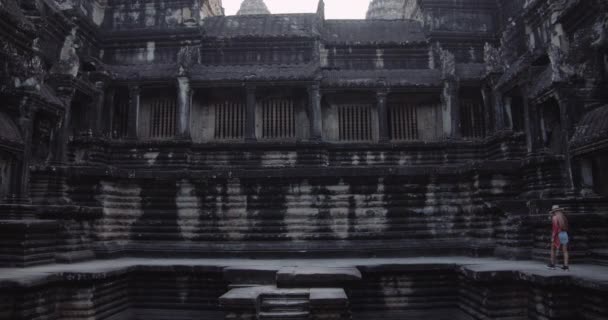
[{"x": 563, "y": 238}]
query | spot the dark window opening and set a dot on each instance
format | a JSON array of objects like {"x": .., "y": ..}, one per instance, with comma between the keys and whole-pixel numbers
[
  {"x": 514, "y": 111},
  {"x": 79, "y": 124},
  {"x": 472, "y": 113},
  {"x": 5, "y": 176},
  {"x": 41, "y": 138},
  {"x": 542, "y": 61},
  {"x": 120, "y": 113},
  {"x": 158, "y": 113},
  {"x": 517, "y": 114},
  {"x": 600, "y": 174},
  {"x": 551, "y": 127}
]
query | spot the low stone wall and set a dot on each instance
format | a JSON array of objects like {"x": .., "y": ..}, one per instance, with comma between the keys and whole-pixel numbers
[{"x": 190, "y": 289}]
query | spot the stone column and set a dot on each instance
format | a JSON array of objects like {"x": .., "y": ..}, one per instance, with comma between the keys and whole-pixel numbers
[
  {"x": 183, "y": 108},
  {"x": 567, "y": 129},
  {"x": 63, "y": 128},
  {"x": 20, "y": 184},
  {"x": 452, "y": 125},
  {"x": 108, "y": 114},
  {"x": 491, "y": 107},
  {"x": 530, "y": 123},
  {"x": 99, "y": 104},
  {"x": 383, "y": 125},
  {"x": 250, "y": 114},
  {"x": 314, "y": 94},
  {"x": 133, "y": 118}
]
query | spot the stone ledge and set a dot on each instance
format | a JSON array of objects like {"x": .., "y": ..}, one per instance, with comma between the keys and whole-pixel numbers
[
  {"x": 479, "y": 269},
  {"x": 294, "y": 277}
]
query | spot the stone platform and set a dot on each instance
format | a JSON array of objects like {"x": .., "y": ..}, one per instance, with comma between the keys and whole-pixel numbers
[{"x": 388, "y": 288}]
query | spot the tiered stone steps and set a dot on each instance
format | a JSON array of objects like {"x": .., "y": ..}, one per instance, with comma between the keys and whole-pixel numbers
[
  {"x": 298, "y": 293},
  {"x": 294, "y": 306}
]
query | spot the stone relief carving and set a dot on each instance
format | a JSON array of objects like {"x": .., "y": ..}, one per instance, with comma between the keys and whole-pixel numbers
[
  {"x": 66, "y": 4},
  {"x": 26, "y": 69},
  {"x": 69, "y": 62},
  {"x": 187, "y": 56},
  {"x": 602, "y": 31},
  {"x": 492, "y": 58},
  {"x": 561, "y": 69},
  {"x": 448, "y": 63}
]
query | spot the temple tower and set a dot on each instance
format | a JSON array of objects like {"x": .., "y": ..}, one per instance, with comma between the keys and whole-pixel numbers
[
  {"x": 386, "y": 9},
  {"x": 249, "y": 7}
]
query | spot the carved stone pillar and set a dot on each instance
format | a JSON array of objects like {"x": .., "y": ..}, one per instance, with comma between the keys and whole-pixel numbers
[
  {"x": 492, "y": 110},
  {"x": 567, "y": 108},
  {"x": 530, "y": 123},
  {"x": 314, "y": 93},
  {"x": 63, "y": 127},
  {"x": 183, "y": 107},
  {"x": 108, "y": 114},
  {"x": 20, "y": 184},
  {"x": 98, "y": 105},
  {"x": 133, "y": 117},
  {"x": 383, "y": 124},
  {"x": 250, "y": 114},
  {"x": 452, "y": 123}
]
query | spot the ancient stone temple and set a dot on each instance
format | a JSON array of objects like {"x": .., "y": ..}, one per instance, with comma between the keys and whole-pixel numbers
[
  {"x": 253, "y": 7},
  {"x": 386, "y": 9},
  {"x": 160, "y": 160}
]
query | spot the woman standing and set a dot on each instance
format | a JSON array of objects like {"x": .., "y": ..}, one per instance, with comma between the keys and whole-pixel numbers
[{"x": 559, "y": 236}]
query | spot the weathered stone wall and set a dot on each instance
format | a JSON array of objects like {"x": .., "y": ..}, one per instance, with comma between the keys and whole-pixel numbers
[
  {"x": 124, "y": 15},
  {"x": 231, "y": 210}
]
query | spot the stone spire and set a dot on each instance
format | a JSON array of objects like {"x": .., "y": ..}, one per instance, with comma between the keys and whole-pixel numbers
[
  {"x": 253, "y": 7},
  {"x": 386, "y": 9}
]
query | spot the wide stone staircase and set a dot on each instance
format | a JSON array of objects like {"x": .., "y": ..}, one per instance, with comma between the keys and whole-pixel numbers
[{"x": 266, "y": 293}]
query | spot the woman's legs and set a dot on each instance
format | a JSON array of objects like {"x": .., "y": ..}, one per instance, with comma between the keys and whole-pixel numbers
[
  {"x": 566, "y": 255},
  {"x": 552, "y": 254}
]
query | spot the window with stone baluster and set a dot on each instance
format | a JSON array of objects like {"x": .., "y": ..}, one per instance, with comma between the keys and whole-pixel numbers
[
  {"x": 278, "y": 119},
  {"x": 355, "y": 122},
  {"x": 414, "y": 117},
  {"x": 158, "y": 114},
  {"x": 218, "y": 115},
  {"x": 229, "y": 119},
  {"x": 472, "y": 113}
]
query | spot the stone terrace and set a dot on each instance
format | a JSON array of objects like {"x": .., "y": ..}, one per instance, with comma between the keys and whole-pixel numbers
[{"x": 390, "y": 288}]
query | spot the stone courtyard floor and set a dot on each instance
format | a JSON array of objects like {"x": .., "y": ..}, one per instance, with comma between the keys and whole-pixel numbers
[{"x": 592, "y": 276}]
